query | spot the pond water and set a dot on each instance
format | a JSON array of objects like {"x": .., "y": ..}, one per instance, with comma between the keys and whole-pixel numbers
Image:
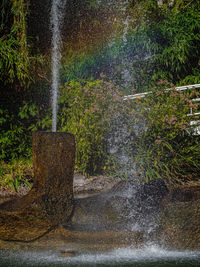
[{"x": 146, "y": 256}]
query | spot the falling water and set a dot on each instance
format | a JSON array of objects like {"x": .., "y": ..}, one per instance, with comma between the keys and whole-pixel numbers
[
  {"x": 126, "y": 72},
  {"x": 57, "y": 14}
]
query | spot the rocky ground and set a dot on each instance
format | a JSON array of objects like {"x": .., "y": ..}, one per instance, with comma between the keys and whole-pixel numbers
[
  {"x": 83, "y": 187},
  {"x": 105, "y": 215},
  {"x": 93, "y": 185}
]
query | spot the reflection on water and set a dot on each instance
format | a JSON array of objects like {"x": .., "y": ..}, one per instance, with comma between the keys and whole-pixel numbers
[{"x": 146, "y": 256}]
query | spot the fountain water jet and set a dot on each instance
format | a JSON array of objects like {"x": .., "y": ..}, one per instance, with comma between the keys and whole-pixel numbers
[
  {"x": 53, "y": 153},
  {"x": 57, "y": 15}
]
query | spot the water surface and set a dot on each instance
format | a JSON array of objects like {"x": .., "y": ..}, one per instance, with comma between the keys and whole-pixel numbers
[{"x": 143, "y": 257}]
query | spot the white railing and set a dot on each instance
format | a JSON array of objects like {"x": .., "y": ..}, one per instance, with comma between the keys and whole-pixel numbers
[
  {"x": 180, "y": 88},
  {"x": 194, "y": 123}
]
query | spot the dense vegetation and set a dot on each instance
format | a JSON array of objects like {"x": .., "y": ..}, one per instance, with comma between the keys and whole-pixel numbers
[
  {"x": 161, "y": 42},
  {"x": 169, "y": 147}
]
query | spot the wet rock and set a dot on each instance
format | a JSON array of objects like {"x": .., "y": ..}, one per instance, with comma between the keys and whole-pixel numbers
[
  {"x": 180, "y": 220},
  {"x": 125, "y": 205},
  {"x": 151, "y": 194},
  {"x": 180, "y": 224},
  {"x": 84, "y": 186},
  {"x": 185, "y": 194}
]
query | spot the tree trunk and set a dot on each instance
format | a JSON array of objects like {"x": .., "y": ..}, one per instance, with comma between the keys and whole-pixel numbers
[{"x": 53, "y": 162}]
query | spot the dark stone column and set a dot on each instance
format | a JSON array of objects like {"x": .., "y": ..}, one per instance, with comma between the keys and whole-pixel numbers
[{"x": 53, "y": 162}]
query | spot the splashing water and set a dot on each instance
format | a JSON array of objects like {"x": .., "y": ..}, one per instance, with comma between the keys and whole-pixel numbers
[
  {"x": 57, "y": 14},
  {"x": 144, "y": 257}
]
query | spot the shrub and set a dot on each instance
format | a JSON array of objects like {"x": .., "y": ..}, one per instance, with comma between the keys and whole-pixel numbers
[
  {"x": 15, "y": 174},
  {"x": 86, "y": 109},
  {"x": 169, "y": 149},
  {"x": 15, "y": 136}
]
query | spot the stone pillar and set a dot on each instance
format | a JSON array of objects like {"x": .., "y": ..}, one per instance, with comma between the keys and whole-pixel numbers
[{"x": 53, "y": 162}]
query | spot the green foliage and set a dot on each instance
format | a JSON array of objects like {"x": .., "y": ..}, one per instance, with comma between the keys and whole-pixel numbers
[
  {"x": 82, "y": 65},
  {"x": 162, "y": 42},
  {"x": 86, "y": 108},
  {"x": 16, "y": 174},
  {"x": 169, "y": 149},
  {"x": 14, "y": 59},
  {"x": 179, "y": 53},
  {"x": 15, "y": 136}
]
